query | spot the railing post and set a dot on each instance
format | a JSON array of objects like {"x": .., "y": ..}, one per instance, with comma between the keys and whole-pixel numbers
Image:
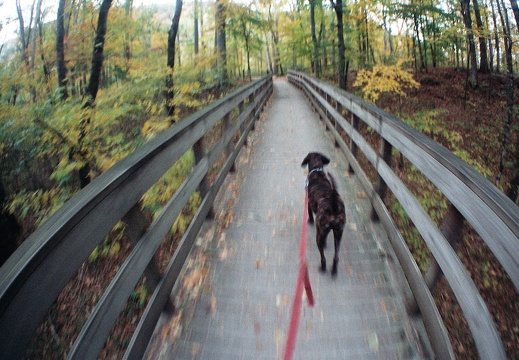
[
  {"x": 336, "y": 125},
  {"x": 253, "y": 112},
  {"x": 204, "y": 186},
  {"x": 229, "y": 146},
  {"x": 451, "y": 228},
  {"x": 136, "y": 226},
  {"x": 381, "y": 189},
  {"x": 241, "y": 108},
  {"x": 353, "y": 147},
  {"x": 326, "y": 114}
]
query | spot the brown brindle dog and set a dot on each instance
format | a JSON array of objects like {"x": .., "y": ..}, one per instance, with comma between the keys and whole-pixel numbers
[{"x": 325, "y": 202}]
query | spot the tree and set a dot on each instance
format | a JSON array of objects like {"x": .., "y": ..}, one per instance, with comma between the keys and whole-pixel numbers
[
  {"x": 496, "y": 37},
  {"x": 245, "y": 24},
  {"x": 342, "y": 73},
  {"x": 128, "y": 8},
  {"x": 91, "y": 93},
  {"x": 33, "y": 51},
  {"x": 315, "y": 43},
  {"x": 195, "y": 29},
  {"x": 515, "y": 9},
  {"x": 483, "y": 65},
  {"x": 172, "y": 36},
  {"x": 60, "y": 51},
  {"x": 514, "y": 185},
  {"x": 221, "y": 44},
  {"x": 473, "y": 65}
]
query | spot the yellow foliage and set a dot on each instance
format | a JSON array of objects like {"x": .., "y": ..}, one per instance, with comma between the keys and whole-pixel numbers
[{"x": 385, "y": 79}]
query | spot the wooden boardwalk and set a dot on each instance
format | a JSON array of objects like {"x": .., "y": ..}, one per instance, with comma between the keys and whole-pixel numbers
[{"x": 235, "y": 297}]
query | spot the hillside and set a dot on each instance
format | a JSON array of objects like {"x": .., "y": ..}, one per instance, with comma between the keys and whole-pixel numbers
[{"x": 469, "y": 123}]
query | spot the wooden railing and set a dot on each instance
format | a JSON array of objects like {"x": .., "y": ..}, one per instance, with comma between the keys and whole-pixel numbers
[
  {"x": 37, "y": 272},
  {"x": 473, "y": 198}
]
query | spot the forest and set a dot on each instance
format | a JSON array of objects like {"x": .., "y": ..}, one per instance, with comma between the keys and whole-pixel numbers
[{"x": 86, "y": 82}]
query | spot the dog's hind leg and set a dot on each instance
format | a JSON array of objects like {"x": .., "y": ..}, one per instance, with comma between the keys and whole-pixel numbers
[
  {"x": 321, "y": 240},
  {"x": 310, "y": 215},
  {"x": 337, "y": 234}
]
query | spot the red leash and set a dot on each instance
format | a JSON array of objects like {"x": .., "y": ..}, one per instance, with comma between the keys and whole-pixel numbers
[{"x": 302, "y": 278}]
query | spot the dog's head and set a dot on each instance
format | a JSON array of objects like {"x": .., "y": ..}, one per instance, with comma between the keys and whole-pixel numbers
[{"x": 315, "y": 160}]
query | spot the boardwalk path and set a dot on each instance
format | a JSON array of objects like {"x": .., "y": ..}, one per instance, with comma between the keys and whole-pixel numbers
[{"x": 234, "y": 301}]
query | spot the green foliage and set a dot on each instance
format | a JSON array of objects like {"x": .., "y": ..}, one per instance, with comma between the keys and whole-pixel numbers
[
  {"x": 110, "y": 246},
  {"x": 140, "y": 295},
  {"x": 416, "y": 245},
  {"x": 39, "y": 204},
  {"x": 160, "y": 193},
  {"x": 385, "y": 79},
  {"x": 432, "y": 124}
]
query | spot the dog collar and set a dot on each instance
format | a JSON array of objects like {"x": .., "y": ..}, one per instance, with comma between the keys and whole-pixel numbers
[{"x": 318, "y": 169}]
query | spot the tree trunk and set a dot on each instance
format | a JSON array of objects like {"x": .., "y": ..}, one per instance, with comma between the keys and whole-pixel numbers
[
  {"x": 247, "y": 50},
  {"x": 512, "y": 192},
  {"x": 341, "y": 64},
  {"x": 33, "y": 50},
  {"x": 496, "y": 38},
  {"x": 91, "y": 92},
  {"x": 24, "y": 39},
  {"x": 315, "y": 53},
  {"x": 97, "y": 55},
  {"x": 423, "y": 21},
  {"x": 278, "y": 66},
  {"x": 473, "y": 64},
  {"x": 221, "y": 43},
  {"x": 45, "y": 67},
  {"x": 60, "y": 51},
  {"x": 515, "y": 9},
  {"x": 128, "y": 8},
  {"x": 195, "y": 29},
  {"x": 418, "y": 42},
  {"x": 490, "y": 46},
  {"x": 483, "y": 65},
  {"x": 172, "y": 36}
]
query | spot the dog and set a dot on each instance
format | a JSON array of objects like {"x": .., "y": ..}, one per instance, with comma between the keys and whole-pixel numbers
[{"x": 325, "y": 202}]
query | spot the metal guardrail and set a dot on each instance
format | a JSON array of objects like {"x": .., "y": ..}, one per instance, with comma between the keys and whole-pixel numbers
[
  {"x": 491, "y": 214},
  {"x": 34, "y": 276}
]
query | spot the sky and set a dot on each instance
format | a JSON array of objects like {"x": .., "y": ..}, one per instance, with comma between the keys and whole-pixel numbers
[{"x": 9, "y": 17}]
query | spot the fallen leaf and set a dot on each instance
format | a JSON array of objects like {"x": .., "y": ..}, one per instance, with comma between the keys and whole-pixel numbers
[
  {"x": 196, "y": 350},
  {"x": 257, "y": 328},
  {"x": 211, "y": 308},
  {"x": 224, "y": 254},
  {"x": 373, "y": 342}
]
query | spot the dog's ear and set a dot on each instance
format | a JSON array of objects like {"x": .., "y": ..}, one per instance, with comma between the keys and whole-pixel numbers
[
  {"x": 325, "y": 160},
  {"x": 305, "y": 161}
]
